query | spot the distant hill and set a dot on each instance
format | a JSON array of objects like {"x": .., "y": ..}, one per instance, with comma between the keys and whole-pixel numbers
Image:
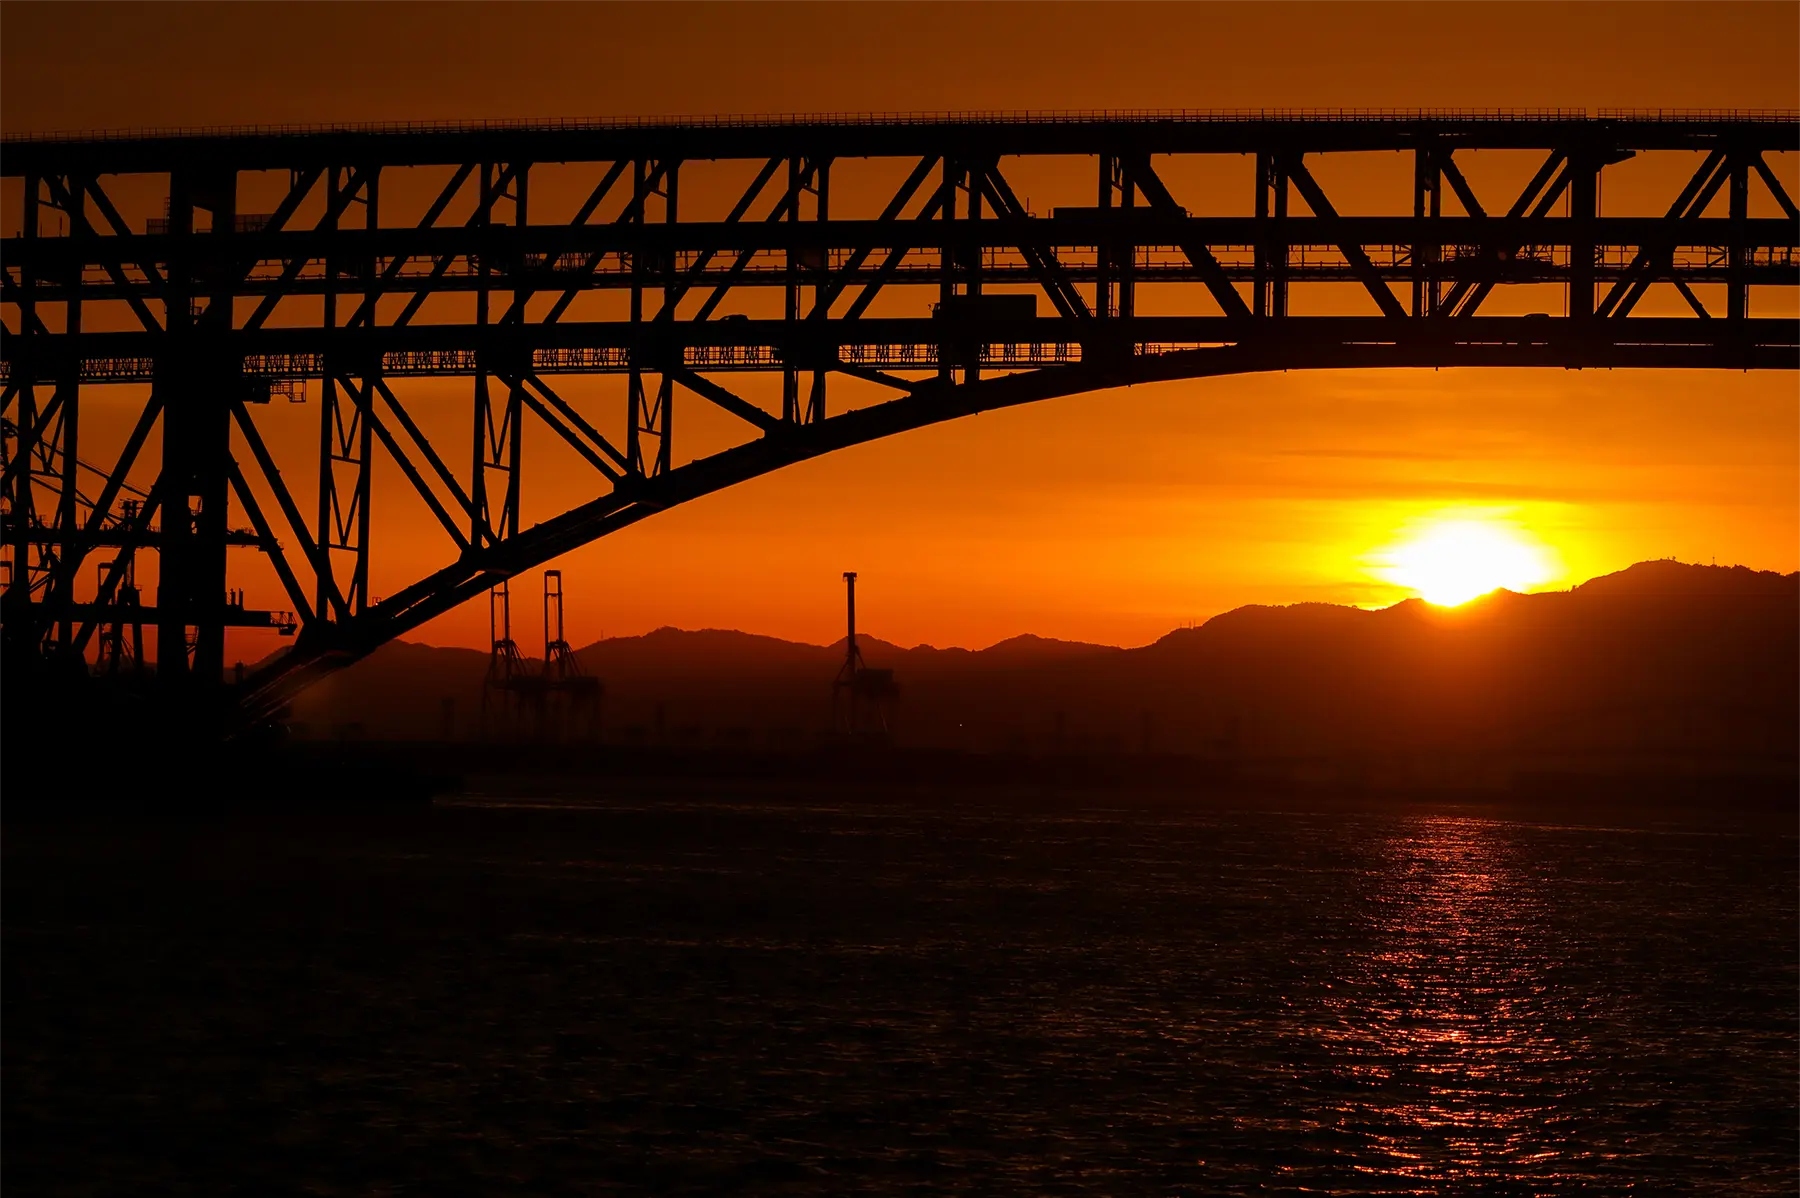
[
  {"x": 1662, "y": 662},
  {"x": 673, "y": 679}
]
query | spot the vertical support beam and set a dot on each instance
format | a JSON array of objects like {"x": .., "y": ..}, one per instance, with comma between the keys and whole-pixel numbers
[
  {"x": 508, "y": 445},
  {"x": 1427, "y": 205},
  {"x": 480, "y": 525},
  {"x": 365, "y": 463},
  {"x": 371, "y": 176},
  {"x": 1115, "y": 257},
  {"x": 496, "y": 440},
  {"x": 521, "y": 295},
  {"x": 790, "y": 313},
  {"x": 634, "y": 403},
  {"x": 328, "y": 418},
  {"x": 346, "y": 418},
  {"x": 961, "y": 329},
  {"x": 970, "y": 177},
  {"x": 1737, "y": 303},
  {"x": 634, "y": 387},
  {"x": 1283, "y": 251},
  {"x": 21, "y": 509},
  {"x": 1103, "y": 272},
  {"x": 365, "y": 400},
  {"x": 1259, "y": 267},
  {"x": 648, "y": 419},
  {"x": 972, "y": 261},
  {"x": 328, "y": 407},
  {"x": 947, "y": 183},
  {"x": 1584, "y": 167},
  {"x": 21, "y": 506},
  {"x": 821, "y": 175},
  {"x": 68, "y": 393},
  {"x": 662, "y": 421},
  {"x": 663, "y": 418},
  {"x": 198, "y": 375},
  {"x": 1272, "y": 242},
  {"x": 1125, "y": 253},
  {"x": 176, "y": 380},
  {"x": 513, "y": 426}
]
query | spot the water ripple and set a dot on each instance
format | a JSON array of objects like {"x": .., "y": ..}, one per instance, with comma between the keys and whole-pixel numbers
[{"x": 811, "y": 997}]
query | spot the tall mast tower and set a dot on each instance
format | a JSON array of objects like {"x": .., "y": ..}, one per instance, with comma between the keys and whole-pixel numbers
[{"x": 858, "y": 690}]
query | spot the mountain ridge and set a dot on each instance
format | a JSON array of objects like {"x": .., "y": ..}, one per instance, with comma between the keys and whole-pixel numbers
[{"x": 1660, "y": 659}]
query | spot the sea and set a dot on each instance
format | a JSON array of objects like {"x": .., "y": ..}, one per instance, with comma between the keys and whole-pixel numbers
[{"x": 719, "y": 988}]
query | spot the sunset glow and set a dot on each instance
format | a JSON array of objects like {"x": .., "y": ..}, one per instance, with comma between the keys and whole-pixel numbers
[{"x": 1448, "y": 561}]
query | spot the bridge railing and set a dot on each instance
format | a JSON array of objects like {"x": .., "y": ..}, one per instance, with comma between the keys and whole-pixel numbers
[{"x": 962, "y": 117}]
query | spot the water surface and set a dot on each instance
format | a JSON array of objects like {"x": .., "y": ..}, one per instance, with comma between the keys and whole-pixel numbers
[{"x": 801, "y": 995}]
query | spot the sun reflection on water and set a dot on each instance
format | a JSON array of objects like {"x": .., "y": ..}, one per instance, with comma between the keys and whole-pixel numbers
[{"x": 1455, "y": 1052}]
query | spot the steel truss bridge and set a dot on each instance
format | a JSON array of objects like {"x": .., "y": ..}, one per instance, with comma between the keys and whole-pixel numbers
[{"x": 229, "y": 268}]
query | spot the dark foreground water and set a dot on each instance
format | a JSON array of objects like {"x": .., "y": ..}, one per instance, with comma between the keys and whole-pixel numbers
[{"x": 793, "y": 995}]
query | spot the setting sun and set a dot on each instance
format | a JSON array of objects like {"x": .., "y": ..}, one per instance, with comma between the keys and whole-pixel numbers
[{"x": 1450, "y": 561}]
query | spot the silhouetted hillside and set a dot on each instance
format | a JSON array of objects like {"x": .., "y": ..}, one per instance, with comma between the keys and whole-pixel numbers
[
  {"x": 667, "y": 683},
  {"x": 1662, "y": 662}
]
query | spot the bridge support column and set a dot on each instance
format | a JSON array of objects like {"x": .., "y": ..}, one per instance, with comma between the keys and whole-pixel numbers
[
  {"x": 21, "y": 502},
  {"x": 648, "y": 420},
  {"x": 197, "y": 376},
  {"x": 195, "y": 394},
  {"x": 1118, "y": 258},
  {"x": 21, "y": 508},
  {"x": 1737, "y": 303},
  {"x": 1428, "y": 178},
  {"x": 796, "y": 262},
  {"x": 947, "y": 187},
  {"x": 69, "y": 550},
  {"x": 1270, "y": 271},
  {"x": 1584, "y": 176},
  {"x": 815, "y": 401},
  {"x": 1104, "y": 294}
]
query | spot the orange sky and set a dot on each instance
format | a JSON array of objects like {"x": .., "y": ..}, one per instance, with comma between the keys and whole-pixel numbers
[{"x": 1109, "y": 517}]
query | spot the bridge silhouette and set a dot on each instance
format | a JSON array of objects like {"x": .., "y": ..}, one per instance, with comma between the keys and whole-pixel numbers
[{"x": 385, "y": 253}]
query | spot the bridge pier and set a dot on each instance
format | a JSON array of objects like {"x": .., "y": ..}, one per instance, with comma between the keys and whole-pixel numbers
[
  {"x": 195, "y": 390},
  {"x": 196, "y": 381}
]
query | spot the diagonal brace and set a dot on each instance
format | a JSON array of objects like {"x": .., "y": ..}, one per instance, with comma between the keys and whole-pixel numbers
[
  {"x": 707, "y": 389},
  {"x": 1360, "y": 266},
  {"x": 1212, "y": 274}
]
